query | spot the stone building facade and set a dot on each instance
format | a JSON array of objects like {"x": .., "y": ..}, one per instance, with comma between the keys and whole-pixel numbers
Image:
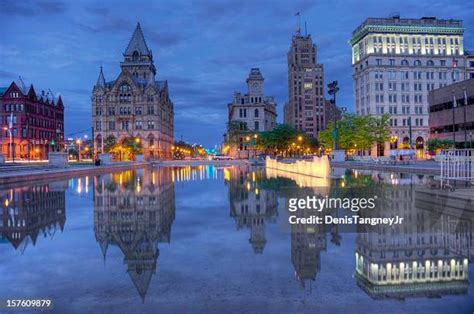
[
  {"x": 135, "y": 105},
  {"x": 396, "y": 62},
  {"x": 254, "y": 110},
  {"x": 305, "y": 109}
]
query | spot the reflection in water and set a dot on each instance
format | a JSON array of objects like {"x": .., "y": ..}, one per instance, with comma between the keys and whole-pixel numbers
[
  {"x": 426, "y": 256},
  {"x": 251, "y": 206},
  {"x": 134, "y": 210},
  {"x": 29, "y": 211},
  {"x": 416, "y": 258}
]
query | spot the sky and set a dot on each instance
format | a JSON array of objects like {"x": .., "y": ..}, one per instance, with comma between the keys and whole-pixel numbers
[{"x": 205, "y": 49}]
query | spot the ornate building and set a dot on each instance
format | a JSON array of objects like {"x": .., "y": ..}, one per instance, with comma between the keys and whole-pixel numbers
[
  {"x": 36, "y": 122},
  {"x": 134, "y": 210},
  {"x": 134, "y": 105},
  {"x": 251, "y": 206},
  {"x": 254, "y": 111}
]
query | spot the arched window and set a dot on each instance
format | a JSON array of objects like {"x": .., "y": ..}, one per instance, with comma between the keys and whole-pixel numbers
[
  {"x": 405, "y": 62},
  {"x": 430, "y": 63},
  {"x": 135, "y": 56},
  {"x": 256, "y": 113},
  {"x": 417, "y": 63}
]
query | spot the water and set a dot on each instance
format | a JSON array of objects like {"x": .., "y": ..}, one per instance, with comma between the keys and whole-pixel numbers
[{"x": 218, "y": 240}]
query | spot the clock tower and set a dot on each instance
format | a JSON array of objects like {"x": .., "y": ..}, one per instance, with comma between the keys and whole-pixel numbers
[{"x": 255, "y": 83}]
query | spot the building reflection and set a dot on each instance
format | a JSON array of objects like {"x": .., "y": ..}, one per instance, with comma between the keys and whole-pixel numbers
[
  {"x": 251, "y": 206},
  {"x": 425, "y": 256},
  {"x": 134, "y": 210},
  {"x": 29, "y": 212}
]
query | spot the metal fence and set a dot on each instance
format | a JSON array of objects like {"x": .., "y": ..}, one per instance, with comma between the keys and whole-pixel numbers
[{"x": 457, "y": 164}]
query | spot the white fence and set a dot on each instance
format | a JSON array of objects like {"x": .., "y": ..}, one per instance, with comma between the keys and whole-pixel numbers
[{"x": 457, "y": 164}]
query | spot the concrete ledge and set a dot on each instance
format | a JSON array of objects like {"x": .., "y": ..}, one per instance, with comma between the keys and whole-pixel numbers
[
  {"x": 57, "y": 173},
  {"x": 388, "y": 168},
  {"x": 177, "y": 163}
]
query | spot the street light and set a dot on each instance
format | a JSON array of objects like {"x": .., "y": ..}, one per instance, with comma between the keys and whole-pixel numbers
[
  {"x": 79, "y": 142},
  {"x": 454, "y": 125},
  {"x": 12, "y": 154}
]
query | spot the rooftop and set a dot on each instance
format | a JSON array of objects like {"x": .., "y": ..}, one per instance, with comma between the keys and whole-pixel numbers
[{"x": 409, "y": 25}]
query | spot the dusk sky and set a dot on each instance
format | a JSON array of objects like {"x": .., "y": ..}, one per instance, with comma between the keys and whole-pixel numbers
[{"x": 204, "y": 49}]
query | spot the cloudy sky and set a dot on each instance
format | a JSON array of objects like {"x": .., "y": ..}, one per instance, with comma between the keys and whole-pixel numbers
[{"x": 203, "y": 48}]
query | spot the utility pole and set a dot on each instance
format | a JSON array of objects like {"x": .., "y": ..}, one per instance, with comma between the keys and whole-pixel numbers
[
  {"x": 454, "y": 125},
  {"x": 333, "y": 89}
]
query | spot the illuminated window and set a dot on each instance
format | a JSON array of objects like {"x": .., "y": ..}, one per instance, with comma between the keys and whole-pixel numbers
[{"x": 308, "y": 85}]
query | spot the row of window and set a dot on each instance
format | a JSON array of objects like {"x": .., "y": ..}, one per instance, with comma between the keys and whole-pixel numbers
[
  {"x": 243, "y": 113},
  {"x": 406, "y": 122},
  {"x": 150, "y": 110},
  {"x": 125, "y": 125},
  {"x": 392, "y": 98},
  {"x": 30, "y": 109},
  {"x": 32, "y": 121},
  {"x": 417, "y": 75},
  {"x": 31, "y": 134}
]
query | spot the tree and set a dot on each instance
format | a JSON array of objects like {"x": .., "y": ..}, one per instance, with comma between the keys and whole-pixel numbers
[
  {"x": 235, "y": 130},
  {"x": 357, "y": 132},
  {"x": 435, "y": 144},
  {"x": 280, "y": 139},
  {"x": 380, "y": 128}
]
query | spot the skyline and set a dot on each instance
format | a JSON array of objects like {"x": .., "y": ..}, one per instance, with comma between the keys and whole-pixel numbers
[{"x": 193, "y": 48}]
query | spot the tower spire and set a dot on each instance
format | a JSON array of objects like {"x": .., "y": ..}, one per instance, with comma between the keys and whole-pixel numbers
[
  {"x": 137, "y": 43},
  {"x": 101, "y": 79}
]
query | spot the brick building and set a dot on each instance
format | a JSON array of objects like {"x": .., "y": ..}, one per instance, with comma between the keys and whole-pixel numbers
[{"x": 34, "y": 121}]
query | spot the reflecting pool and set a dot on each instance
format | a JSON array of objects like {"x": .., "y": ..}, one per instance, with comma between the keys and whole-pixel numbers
[{"x": 212, "y": 240}]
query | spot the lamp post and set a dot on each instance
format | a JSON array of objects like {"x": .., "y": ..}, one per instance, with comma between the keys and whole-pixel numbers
[
  {"x": 12, "y": 154},
  {"x": 79, "y": 142},
  {"x": 333, "y": 89},
  {"x": 464, "y": 124},
  {"x": 454, "y": 125}
]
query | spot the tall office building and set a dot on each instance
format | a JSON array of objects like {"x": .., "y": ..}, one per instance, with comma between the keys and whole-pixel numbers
[
  {"x": 396, "y": 62},
  {"x": 305, "y": 109}
]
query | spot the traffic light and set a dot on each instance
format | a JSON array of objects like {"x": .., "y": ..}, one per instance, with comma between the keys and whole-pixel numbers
[{"x": 333, "y": 88}]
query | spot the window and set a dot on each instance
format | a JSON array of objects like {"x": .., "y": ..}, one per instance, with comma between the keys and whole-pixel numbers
[
  {"x": 256, "y": 126},
  {"x": 138, "y": 124},
  {"x": 443, "y": 63},
  {"x": 404, "y": 62},
  {"x": 308, "y": 85},
  {"x": 256, "y": 113},
  {"x": 242, "y": 113},
  {"x": 138, "y": 110},
  {"x": 430, "y": 63},
  {"x": 417, "y": 63},
  {"x": 135, "y": 56},
  {"x": 378, "y": 61}
]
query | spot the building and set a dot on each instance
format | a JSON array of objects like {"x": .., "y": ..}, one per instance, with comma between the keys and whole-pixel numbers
[
  {"x": 469, "y": 57},
  {"x": 425, "y": 256},
  {"x": 254, "y": 111},
  {"x": 134, "y": 211},
  {"x": 251, "y": 206},
  {"x": 31, "y": 213},
  {"x": 441, "y": 112},
  {"x": 305, "y": 109},
  {"x": 135, "y": 104},
  {"x": 396, "y": 62},
  {"x": 331, "y": 112},
  {"x": 35, "y": 122}
]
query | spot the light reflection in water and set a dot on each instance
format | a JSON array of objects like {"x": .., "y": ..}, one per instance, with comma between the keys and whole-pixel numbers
[{"x": 134, "y": 211}]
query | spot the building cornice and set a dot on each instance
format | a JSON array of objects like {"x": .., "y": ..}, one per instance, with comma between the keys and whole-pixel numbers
[{"x": 399, "y": 29}]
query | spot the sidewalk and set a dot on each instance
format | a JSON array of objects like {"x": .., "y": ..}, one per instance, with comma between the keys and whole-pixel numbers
[
  {"x": 12, "y": 174},
  {"x": 427, "y": 167}
]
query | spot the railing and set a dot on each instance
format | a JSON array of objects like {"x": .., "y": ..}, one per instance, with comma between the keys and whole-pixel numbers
[{"x": 457, "y": 164}]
